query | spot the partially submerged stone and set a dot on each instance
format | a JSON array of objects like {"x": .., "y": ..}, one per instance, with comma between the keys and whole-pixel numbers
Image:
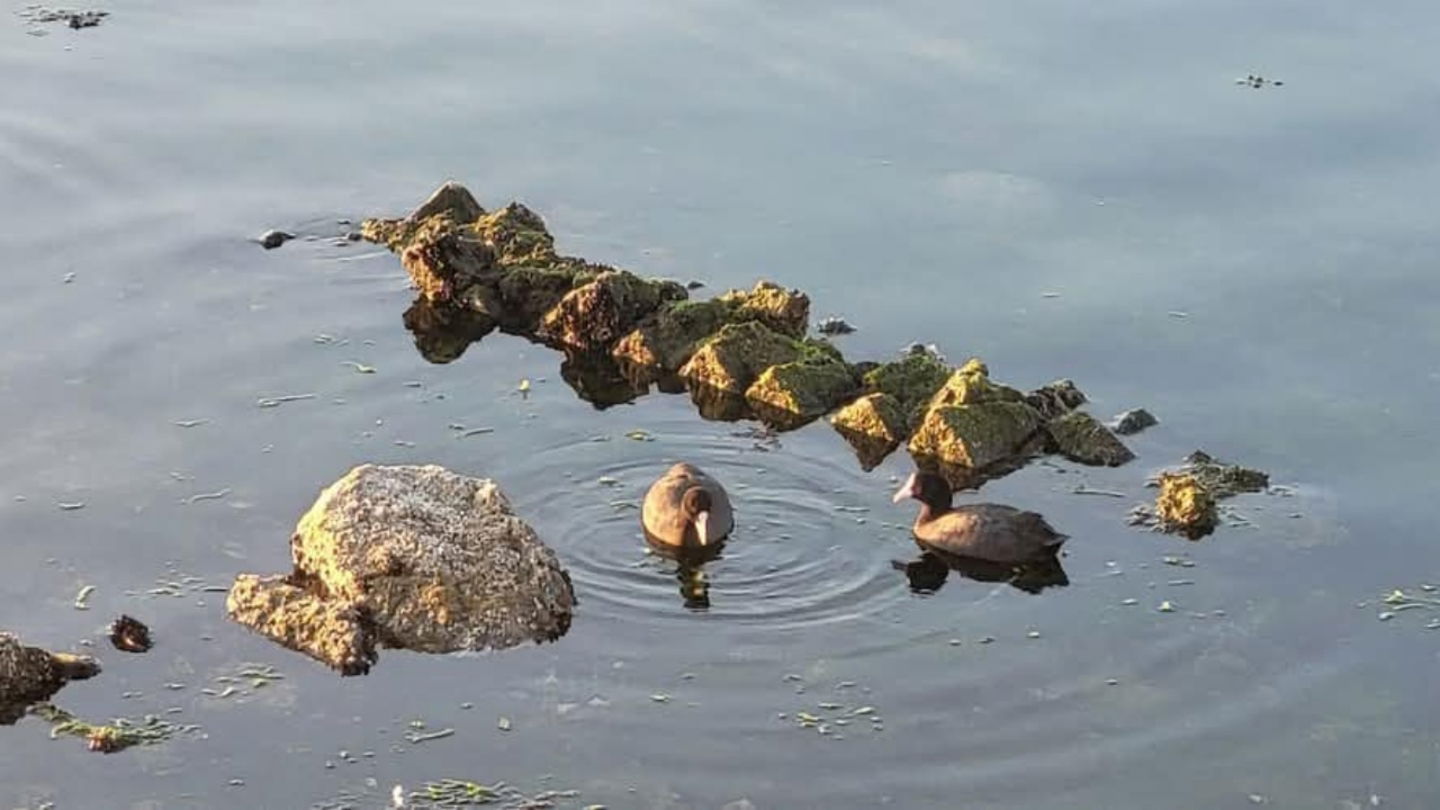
[
  {"x": 910, "y": 381},
  {"x": 975, "y": 436},
  {"x": 1224, "y": 480},
  {"x": 874, "y": 425},
  {"x": 734, "y": 357},
  {"x": 803, "y": 389},
  {"x": 970, "y": 385},
  {"x": 1080, "y": 437},
  {"x": 667, "y": 340},
  {"x": 1133, "y": 421},
  {"x": 1055, "y": 399},
  {"x": 1185, "y": 506},
  {"x": 594, "y": 315},
  {"x": 412, "y": 557},
  {"x": 30, "y": 674}
]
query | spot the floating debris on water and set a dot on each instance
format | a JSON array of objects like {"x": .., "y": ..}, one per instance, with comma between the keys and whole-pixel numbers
[
  {"x": 70, "y": 506},
  {"x": 640, "y": 435},
  {"x": 360, "y": 368},
  {"x": 271, "y": 402},
  {"x": 208, "y": 496},
  {"x": 120, "y": 734},
  {"x": 417, "y": 737},
  {"x": 82, "y": 598},
  {"x": 190, "y": 423},
  {"x": 129, "y": 634},
  {"x": 1255, "y": 81}
]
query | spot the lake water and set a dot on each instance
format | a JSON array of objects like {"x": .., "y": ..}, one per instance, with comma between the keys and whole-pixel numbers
[{"x": 1084, "y": 193}]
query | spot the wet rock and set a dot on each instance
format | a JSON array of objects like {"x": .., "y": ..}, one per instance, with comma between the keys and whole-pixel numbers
[
  {"x": 834, "y": 325},
  {"x": 734, "y": 357},
  {"x": 1221, "y": 479},
  {"x": 597, "y": 314},
  {"x": 413, "y": 557},
  {"x": 911, "y": 381},
  {"x": 804, "y": 389},
  {"x": 1080, "y": 437},
  {"x": 1055, "y": 399},
  {"x": 668, "y": 339},
  {"x": 1133, "y": 421},
  {"x": 970, "y": 385},
  {"x": 517, "y": 236},
  {"x": 129, "y": 634},
  {"x": 874, "y": 425},
  {"x": 292, "y": 611},
  {"x": 272, "y": 239},
  {"x": 975, "y": 435},
  {"x": 450, "y": 200},
  {"x": 524, "y": 294},
  {"x": 29, "y": 675},
  {"x": 1185, "y": 506}
]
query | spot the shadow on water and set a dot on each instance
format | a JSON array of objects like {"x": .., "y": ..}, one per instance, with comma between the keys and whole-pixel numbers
[{"x": 928, "y": 572}]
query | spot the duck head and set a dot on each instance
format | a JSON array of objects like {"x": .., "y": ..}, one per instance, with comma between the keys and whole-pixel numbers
[
  {"x": 927, "y": 488},
  {"x": 695, "y": 505}
]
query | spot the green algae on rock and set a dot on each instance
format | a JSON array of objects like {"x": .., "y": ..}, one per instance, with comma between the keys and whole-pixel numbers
[
  {"x": 594, "y": 315},
  {"x": 411, "y": 557},
  {"x": 975, "y": 435},
  {"x": 803, "y": 389},
  {"x": 1080, "y": 437},
  {"x": 874, "y": 425},
  {"x": 1222, "y": 479},
  {"x": 666, "y": 340},
  {"x": 910, "y": 382},
  {"x": 732, "y": 359},
  {"x": 31, "y": 674}
]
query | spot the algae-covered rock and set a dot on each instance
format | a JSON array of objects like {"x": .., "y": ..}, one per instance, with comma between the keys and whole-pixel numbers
[
  {"x": 874, "y": 425},
  {"x": 597, "y": 313},
  {"x": 413, "y": 557},
  {"x": 442, "y": 260},
  {"x": 970, "y": 385},
  {"x": 517, "y": 236},
  {"x": 30, "y": 674},
  {"x": 1080, "y": 437},
  {"x": 803, "y": 389},
  {"x": 1224, "y": 480},
  {"x": 1055, "y": 399},
  {"x": 784, "y": 311},
  {"x": 1186, "y": 506},
  {"x": 910, "y": 381},
  {"x": 976, "y": 435},
  {"x": 735, "y": 356},
  {"x": 666, "y": 340}
]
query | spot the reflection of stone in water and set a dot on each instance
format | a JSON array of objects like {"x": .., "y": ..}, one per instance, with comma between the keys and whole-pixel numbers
[
  {"x": 719, "y": 406},
  {"x": 443, "y": 333},
  {"x": 599, "y": 380},
  {"x": 928, "y": 573},
  {"x": 30, "y": 674}
]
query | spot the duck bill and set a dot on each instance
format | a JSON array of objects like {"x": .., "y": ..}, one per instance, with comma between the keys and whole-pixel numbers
[
  {"x": 702, "y": 528},
  {"x": 906, "y": 490}
]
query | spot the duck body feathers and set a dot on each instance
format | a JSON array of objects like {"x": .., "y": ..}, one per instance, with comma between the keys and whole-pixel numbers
[
  {"x": 988, "y": 531},
  {"x": 668, "y": 515}
]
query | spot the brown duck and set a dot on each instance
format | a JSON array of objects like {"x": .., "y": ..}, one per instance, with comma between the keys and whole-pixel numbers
[
  {"x": 687, "y": 508},
  {"x": 983, "y": 531}
]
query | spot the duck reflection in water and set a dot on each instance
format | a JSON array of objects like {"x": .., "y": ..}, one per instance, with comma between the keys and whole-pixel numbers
[
  {"x": 690, "y": 573},
  {"x": 987, "y": 542}
]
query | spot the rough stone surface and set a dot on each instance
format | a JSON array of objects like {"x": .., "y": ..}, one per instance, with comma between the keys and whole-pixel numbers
[
  {"x": 1224, "y": 480},
  {"x": 784, "y": 311},
  {"x": 1186, "y": 506},
  {"x": 910, "y": 381},
  {"x": 970, "y": 385},
  {"x": 874, "y": 425},
  {"x": 804, "y": 389},
  {"x": 666, "y": 340},
  {"x": 734, "y": 357},
  {"x": 598, "y": 313},
  {"x": 414, "y": 557},
  {"x": 442, "y": 260},
  {"x": 976, "y": 435},
  {"x": 1055, "y": 399},
  {"x": 451, "y": 200},
  {"x": 298, "y": 617},
  {"x": 1133, "y": 421},
  {"x": 1080, "y": 437},
  {"x": 29, "y": 675}
]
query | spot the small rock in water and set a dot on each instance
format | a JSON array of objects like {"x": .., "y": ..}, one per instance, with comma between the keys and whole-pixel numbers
[
  {"x": 274, "y": 238},
  {"x": 694, "y": 284},
  {"x": 1133, "y": 421},
  {"x": 834, "y": 326},
  {"x": 129, "y": 634}
]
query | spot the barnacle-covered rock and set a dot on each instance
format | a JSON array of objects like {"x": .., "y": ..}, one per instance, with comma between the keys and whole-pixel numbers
[{"x": 413, "y": 557}]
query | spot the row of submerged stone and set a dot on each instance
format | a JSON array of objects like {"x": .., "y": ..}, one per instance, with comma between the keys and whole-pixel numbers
[{"x": 741, "y": 353}]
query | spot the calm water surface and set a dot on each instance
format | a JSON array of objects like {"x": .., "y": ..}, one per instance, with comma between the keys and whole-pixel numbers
[{"x": 932, "y": 171}]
